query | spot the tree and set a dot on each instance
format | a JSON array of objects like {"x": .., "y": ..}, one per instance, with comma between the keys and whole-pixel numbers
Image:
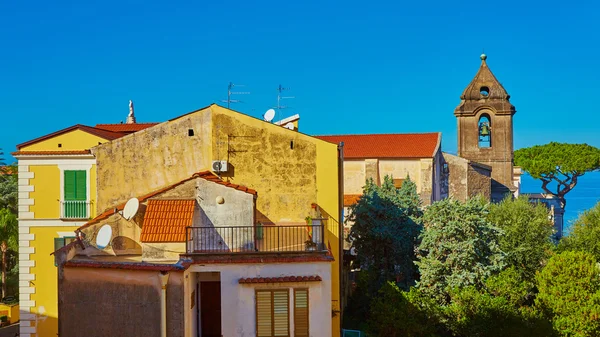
[
  {"x": 9, "y": 188},
  {"x": 459, "y": 247},
  {"x": 558, "y": 163},
  {"x": 584, "y": 234},
  {"x": 569, "y": 294},
  {"x": 385, "y": 230},
  {"x": 526, "y": 233},
  {"x": 9, "y": 233}
]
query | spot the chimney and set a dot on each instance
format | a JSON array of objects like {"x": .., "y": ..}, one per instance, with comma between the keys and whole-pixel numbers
[{"x": 131, "y": 116}]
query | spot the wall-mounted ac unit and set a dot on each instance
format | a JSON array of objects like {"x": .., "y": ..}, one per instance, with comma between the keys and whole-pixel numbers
[{"x": 219, "y": 165}]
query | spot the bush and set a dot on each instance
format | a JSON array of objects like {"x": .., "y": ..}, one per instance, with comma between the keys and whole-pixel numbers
[{"x": 569, "y": 294}]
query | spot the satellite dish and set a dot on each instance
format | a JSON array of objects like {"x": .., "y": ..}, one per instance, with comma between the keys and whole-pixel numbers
[
  {"x": 103, "y": 237},
  {"x": 269, "y": 115},
  {"x": 290, "y": 126},
  {"x": 131, "y": 208}
]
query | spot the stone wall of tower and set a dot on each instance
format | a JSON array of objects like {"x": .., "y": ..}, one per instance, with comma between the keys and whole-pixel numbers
[{"x": 499, "y": 155}]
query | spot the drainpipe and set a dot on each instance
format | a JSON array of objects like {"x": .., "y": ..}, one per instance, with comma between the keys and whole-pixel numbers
[
  {"x": 164, "y": 278},
  {"x": 341, "y": 231}
]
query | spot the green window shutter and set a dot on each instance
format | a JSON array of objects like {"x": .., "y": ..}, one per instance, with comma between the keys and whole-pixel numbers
[
  {"x": 58, "y": 244},
  {"x": 75, "y": 185},
  {"x": 80, "y": 183},
  {"x": 69, "y": 183}
]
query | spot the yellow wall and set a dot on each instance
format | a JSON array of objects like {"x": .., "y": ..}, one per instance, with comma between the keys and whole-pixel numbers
[
  {"x": 45, "y": 283},
  {"x": 74, "y": 140},
  {"x": 12, "y": 311},
  {"x": 46, "y": 192},
  {"x": 46, "y": 183}
]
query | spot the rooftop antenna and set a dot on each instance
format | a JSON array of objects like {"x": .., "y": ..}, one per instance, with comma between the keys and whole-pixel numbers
[
  {"x": 230, "y": 87},
  {"x": 280, "y": 89}
]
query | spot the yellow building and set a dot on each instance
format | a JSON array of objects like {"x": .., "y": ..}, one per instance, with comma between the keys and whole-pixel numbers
[
  {"x": 57, "y": 194},
  {"x": 295, "y": 176}
]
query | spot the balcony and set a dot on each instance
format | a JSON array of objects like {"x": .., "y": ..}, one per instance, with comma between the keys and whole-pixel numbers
[
  {"x": 255, "y": 239},
  {"x": 74, "y": 209}
]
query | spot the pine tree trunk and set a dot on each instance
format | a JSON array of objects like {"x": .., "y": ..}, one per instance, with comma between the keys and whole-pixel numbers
[{"x": 4, "y": 248}]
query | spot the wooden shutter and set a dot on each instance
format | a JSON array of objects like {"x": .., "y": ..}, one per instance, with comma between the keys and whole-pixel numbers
[
  {"x": 272, "y": 313},
  {"x": 264, "y": 311},
  {"x": 75, "y": 185},
  {"x": 398, "y": 183},
  {"x": 301, "y": 312},
  {"x": 281, "y": 313}
]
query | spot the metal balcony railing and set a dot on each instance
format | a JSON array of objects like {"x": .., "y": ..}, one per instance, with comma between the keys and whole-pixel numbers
[
  {"x": 255, "y": 239},
  {"x": 74, "y": 209}
]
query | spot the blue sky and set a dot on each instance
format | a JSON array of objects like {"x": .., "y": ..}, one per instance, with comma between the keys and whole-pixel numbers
[{"x": 354, "y": 67}]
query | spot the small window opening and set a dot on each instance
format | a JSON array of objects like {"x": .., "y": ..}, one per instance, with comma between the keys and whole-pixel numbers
[
  {"x": 99, "y": 143},
  {"x": 292, "y": 144},
  {"x": 485, "y": 132},
  {"x": 484, "y": 91},
  {"x": 59, "y": 145},
  {"x": 190, "y": 132}
]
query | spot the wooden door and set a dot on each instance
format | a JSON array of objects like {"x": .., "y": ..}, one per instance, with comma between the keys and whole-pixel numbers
[{"x": 210, "y": 309}]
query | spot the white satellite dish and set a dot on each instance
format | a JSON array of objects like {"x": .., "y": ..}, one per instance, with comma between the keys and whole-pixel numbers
[
  {"x": 131, "y": 208},
  {"x": 290, "y": 126},
  {"x": 269, "y": 115},
  {"x": 103, "y": 237}
]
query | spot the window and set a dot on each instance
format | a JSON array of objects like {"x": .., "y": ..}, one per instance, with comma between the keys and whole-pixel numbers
[
  {"x": 398, "y": 183},
  {"x": 272, "y": 313},
  {"x": 75, "y": 204},
  {"x": 61, "y": 242},
  {"x": 484, "y": 131},
  {"x": 301, "y": 312},
  {"x": 484, "y": 92}
]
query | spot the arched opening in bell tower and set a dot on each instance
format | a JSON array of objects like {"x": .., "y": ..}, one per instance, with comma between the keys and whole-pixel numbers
[{"x": 484, "y": 131}]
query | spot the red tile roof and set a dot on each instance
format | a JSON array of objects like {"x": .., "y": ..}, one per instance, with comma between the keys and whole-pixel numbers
[
  {"x": 351, "y": 199},
  {"x": 408, "y": 145},
  {"x": 313, "y": 278},
  {"x": 108, "y": 135},
  {"x": 207, "y": 175},
  {"x": 166, "y": 220},
  {"x": 127, "y": 265},
  {"x": 127, "y": 128},
  {"x": 51, "y": 153}
]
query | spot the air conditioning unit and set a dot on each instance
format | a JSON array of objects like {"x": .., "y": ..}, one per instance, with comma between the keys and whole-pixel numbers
[{"x": 219, "y": 165}]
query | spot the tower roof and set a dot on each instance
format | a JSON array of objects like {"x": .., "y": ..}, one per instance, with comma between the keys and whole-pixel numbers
[{"x": 485, "y": 89}]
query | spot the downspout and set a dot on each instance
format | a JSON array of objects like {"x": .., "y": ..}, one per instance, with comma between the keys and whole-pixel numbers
[
  {"x": 341, "y": 229},
  {"x": 164, "y": 278}
]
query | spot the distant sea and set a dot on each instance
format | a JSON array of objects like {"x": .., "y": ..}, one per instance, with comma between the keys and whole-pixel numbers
[{"x": 583, "y": 196}]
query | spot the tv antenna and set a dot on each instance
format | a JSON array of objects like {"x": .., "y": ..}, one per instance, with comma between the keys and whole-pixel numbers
[
  {"x": 230, "y": 87},
  {"x": 280, "y": 90}
]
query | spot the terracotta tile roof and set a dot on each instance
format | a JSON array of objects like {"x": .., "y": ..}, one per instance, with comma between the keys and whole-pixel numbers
[
  {"x": 312, "y": 278},
  {"x": 351, "y": 199},
  {"x": 51, "y": 153},
  {"x": 407, "y": 145},
  {"x": 207, "y": 175},
  {"x": 108, "y": 135},
  {"x": 166, "y": 220},
  {"x": 128, "y": 265},
  {"x": 127, "y": 128}
]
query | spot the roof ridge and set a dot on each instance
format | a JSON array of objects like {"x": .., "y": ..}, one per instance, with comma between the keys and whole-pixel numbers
[{"x": 379, "y": 134}]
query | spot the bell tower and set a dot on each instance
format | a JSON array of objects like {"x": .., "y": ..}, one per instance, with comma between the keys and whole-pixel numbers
[{"x": 485, "y": 128}]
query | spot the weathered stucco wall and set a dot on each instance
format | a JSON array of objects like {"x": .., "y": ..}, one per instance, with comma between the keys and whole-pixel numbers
[
  {"x": 238, "y": 304},
  {"x": 111, "y": 302},
  {"x": 354, "y": 176},
  {"x": 280, "y": 164},
  {"x": 467, "y": 179},
  {"x": 237, "y": 208},
  {"x": 479, "y": 181},
  {"x": 153, "y": 158}
]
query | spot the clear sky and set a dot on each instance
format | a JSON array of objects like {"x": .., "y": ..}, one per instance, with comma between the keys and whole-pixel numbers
[{"x": 354, "y": 67}]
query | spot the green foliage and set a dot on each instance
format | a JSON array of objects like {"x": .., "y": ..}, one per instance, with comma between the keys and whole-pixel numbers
[
  {"x": 526, "y": 233},
  {"x": 459, "y": 247},
  {"x": 394, "y": 315},
  {"x": 569, "y": 293},
  {"x": 385, "y": 230},
  {"x": 559, "y": 163},
  {"x": 476, "y": 313},
  {"x": 511, "y": 285},
  {"x": 584, "y": 234}
]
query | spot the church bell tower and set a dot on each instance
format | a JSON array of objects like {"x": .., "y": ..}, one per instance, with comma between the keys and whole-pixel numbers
[{"x": 485, "y": 128}]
